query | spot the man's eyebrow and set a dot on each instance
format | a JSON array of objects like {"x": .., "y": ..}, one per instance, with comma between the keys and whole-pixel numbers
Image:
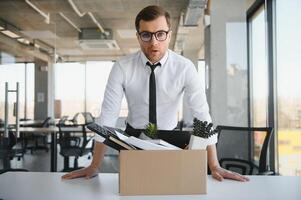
[{"x": 154, "y": 31}]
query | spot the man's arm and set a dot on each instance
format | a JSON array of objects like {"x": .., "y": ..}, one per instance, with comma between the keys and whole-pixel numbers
[
  {"x": 197, "y": 102},
  {"x": 92, "y": 169},
  {"x": 109, "y": 113},
  {"x": 217, "y": 171}
]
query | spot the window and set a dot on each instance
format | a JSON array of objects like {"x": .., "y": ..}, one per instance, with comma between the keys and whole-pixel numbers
[
  {"x": 97, "y": 74},
  {"x": 282, "y": 25},
  {"x": 24, "y": 75},
  {"x": 70, "y": 87},
  {"x": 236, "y": 73},
  {"x": 288, "y": 42},
  {"x": 258, "y": 69},
  {"x": 259, "y": 77},
  {"x": 80, "y": 87}
]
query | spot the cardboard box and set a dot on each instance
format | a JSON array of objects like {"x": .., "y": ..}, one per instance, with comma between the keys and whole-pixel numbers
[{"x": 163, "y": 172}]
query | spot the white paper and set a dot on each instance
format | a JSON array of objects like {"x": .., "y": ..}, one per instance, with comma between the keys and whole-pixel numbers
[{"x": 145, "y": 144}]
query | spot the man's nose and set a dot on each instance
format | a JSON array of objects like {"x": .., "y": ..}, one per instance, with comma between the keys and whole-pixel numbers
[{"x": 154, "y": 39}]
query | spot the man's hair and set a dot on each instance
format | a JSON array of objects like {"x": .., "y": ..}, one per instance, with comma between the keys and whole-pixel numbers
[{"x": 150, "y": 13}]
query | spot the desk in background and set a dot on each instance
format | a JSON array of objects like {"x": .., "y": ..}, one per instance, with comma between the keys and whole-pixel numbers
[
  {"x": 49, "y": 186},
  {"x": 52, "y": 130}
]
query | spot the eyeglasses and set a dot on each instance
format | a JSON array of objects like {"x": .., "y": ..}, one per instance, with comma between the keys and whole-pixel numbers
[{"x": 147, "y": 36}]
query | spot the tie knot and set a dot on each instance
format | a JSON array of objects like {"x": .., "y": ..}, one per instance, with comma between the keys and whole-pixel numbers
[{"x": 153, "y": 66}]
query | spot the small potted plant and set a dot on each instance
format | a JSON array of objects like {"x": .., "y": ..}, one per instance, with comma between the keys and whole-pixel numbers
[
  {"x": 202, "y": 131},
  {"x": 151, "y": 131}
]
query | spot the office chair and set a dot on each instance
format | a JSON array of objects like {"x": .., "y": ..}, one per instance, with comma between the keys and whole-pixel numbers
[
  {"x": 234, "y": 149},
  {"x": 36, "y": 137},
  {"x": 73, "y": 142},
  {"x": 8, "y": 152}
]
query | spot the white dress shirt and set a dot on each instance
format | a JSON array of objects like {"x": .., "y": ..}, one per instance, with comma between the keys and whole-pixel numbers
[{"x": 130, "y": 76}]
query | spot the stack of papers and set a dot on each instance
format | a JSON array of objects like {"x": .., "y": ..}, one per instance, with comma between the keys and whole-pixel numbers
[
  {"x": 146, "y": 144},
  {"x": 119, "y": 140}
]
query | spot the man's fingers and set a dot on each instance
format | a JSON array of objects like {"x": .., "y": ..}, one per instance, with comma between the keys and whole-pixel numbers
[
  {"x": 235, "y": 176},
  {"x": 88, "y": 176},
  {"x": 72, "y": 175},
  {"x": 220, "y": 174}
]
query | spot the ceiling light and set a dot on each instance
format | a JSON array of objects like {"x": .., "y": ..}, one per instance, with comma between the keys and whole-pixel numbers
[
  {"x": 10, "y": 34},
  {"x": 23, "y": 41},
  {"x": 37, "y": 46}
]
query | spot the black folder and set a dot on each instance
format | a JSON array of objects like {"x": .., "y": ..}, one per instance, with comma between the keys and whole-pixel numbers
[{"x": 111, "y": 139}]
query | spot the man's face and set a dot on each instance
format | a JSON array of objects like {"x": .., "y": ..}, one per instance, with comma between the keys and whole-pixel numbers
[{"x": 154, "y": 50}]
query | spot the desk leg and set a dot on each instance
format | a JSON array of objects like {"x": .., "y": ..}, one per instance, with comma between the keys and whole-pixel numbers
[{"x": 53, "y": 159}]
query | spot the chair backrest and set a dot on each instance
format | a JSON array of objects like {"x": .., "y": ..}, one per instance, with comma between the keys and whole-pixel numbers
[
  {"x": 6, "y": 144},
  {"x": 73, "y": 136},
  {"x": 237, "y": 143},
  {"x": 45, "y": 123},
  {"x": 1, "y": 123},
  {"x": 74, "y": 120},
  {"x": 88, "y": 117}
]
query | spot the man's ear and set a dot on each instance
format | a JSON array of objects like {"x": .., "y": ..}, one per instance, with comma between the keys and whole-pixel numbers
[
  {"x": 169, "y": 33},
  {"x": 137, "y": 35}
]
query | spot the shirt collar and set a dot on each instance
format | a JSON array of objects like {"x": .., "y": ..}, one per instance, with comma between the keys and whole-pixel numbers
[{"x": 162, "y": 61}]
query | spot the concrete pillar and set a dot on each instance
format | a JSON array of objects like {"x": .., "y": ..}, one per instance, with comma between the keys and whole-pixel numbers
[{"x": 41, "y": 90}]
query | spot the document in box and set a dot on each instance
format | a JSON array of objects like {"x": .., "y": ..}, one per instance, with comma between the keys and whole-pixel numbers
[
  {"x": 164, "y": 143},
  {"x": 146, "y": 144}
]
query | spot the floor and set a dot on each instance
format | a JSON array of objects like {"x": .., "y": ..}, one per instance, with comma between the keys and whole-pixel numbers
[{"x": 39, "y": 161}]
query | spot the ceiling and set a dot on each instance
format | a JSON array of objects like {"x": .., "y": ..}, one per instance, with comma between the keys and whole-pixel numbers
[{"x": 60, "y": 37}]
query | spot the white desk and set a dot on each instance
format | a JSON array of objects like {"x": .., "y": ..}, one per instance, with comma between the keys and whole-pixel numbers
[{"x": 46, "y": 186}]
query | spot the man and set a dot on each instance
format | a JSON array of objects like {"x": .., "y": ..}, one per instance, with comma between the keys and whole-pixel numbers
[{"x": 153, "y": 81}]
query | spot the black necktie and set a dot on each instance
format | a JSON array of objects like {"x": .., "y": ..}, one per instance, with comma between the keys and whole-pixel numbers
[{"x": 152, "y": 94}]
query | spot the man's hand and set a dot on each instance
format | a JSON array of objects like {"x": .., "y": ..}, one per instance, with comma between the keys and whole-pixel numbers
[
  {"x": 87, "y": 173},
  {"x": 220, "y": 173},
  {"x": 217, "y": 171}
]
